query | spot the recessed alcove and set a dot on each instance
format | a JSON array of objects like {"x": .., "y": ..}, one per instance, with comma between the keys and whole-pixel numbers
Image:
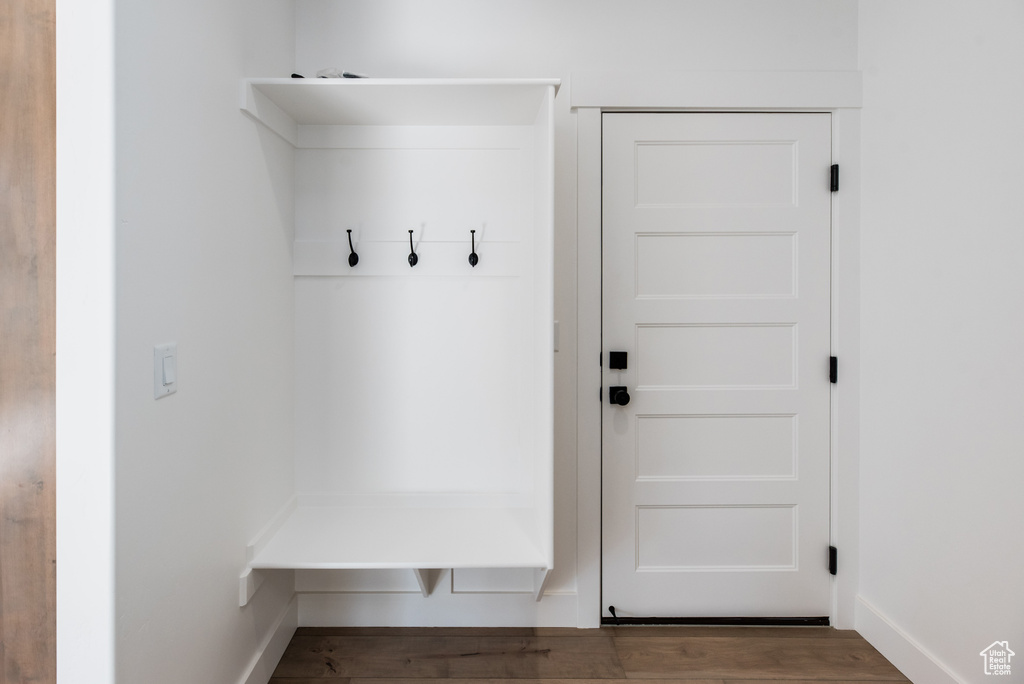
[{"x": 423, "y": 393}]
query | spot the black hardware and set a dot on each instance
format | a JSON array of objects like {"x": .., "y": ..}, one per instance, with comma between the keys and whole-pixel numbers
[
  {"x": 353, "y": 258},
  {"x": 833, "y": 369},
  {"x": 835, "y": 178},
  {"x": 611, "y": 609},
  {"x": 412, "y": 252},
  {"x": 833, "y": 560},
  {"x": 617, "y": 360},
  {"x": 473, "y": 258},
  {"x": 618, "y": 395}
]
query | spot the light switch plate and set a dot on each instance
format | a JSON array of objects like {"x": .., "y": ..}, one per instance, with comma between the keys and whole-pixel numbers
[{"x": 165, "y": 370}]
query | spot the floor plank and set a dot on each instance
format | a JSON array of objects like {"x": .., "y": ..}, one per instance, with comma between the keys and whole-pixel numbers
[
  {"x": 375, "y": 656},
  {"x": 463, "y": 657},
  {"x": 518, "y": 681},
  {"x": 374, "y": 680},
  {"x": 753, "y": 658},
  {"x": 675, "y": 631},
  {"x": 611, "y": 655},
  {"x": 540, "y": 658}
]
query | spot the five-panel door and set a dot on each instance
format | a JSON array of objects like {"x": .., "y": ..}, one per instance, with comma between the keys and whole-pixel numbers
[{"x": 716, "y": 284}]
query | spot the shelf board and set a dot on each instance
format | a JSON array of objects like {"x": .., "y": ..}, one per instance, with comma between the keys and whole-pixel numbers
[
  {"x": 347, "y": 537},
  {"x": 283, "y": 104}
]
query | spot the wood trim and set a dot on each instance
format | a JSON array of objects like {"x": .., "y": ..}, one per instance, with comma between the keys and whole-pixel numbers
[
  {"x": 588, "y": 370},
  {"x": 28, "y": 347},
  {"x": 846, "y": 346},
  {"x": 270, "y": 652},
  {"x": 427, "y": 579},
  {"x": 85, "y": 339},
  {"x": 717, "y": 89},
  {"x": 899, "y": 648},
  {"x": 443, "y": 609}
]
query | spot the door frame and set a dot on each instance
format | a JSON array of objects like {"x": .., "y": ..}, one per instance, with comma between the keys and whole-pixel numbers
[
  {"x": 86, "y": 299},
  {"x": 837, "y": 93}
]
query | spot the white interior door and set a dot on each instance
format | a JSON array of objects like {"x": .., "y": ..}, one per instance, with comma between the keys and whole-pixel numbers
[{"x": 716, "y": 258}]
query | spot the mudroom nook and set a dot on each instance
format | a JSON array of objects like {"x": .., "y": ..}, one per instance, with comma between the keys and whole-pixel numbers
[{"x": 423, "y": 325}]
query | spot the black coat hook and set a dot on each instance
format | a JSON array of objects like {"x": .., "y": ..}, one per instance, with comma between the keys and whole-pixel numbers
[
  {"x": 473, "y": 258},
  {"x": 412, "y": 252},
  {"x": 353, "y": 258}
]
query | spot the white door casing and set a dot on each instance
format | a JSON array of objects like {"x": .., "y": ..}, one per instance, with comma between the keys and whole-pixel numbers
[{"x": 716, "y": 258}]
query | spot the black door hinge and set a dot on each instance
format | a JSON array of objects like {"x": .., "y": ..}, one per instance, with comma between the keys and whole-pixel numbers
[
  {"x": 835, "y": 178},
  {"x": 833, "y": 560},
  {"x": 833, "y": 369}
]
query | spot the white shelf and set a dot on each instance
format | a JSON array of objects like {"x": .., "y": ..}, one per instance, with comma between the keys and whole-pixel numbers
[
  {"x": 284, "y": 104},
  {"x": 342, "y": 537},
  {"x": 425, "y": 540}
]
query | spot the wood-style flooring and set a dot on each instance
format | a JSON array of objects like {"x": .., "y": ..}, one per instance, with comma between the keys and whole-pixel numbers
[{"x": 695, "y": 655}]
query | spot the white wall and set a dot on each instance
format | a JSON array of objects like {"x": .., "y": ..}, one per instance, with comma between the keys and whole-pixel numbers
[
  {"x": 942, "y": 398},
  {"x": 545, "y": 38},
  {"x": 204, "y": 212}
]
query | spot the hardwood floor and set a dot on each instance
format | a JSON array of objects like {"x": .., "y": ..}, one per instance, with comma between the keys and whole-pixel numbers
[{"x": 695, "y": 655}]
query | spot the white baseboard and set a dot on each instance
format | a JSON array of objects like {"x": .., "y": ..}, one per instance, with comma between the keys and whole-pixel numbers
[
  {"x": 441, "y": 609},
  {"x": 911, "y": 658},
  {"x": 270, "y": 651}
]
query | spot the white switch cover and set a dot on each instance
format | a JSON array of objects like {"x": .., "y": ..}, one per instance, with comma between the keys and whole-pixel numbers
[{"x": 165, "y": 370}]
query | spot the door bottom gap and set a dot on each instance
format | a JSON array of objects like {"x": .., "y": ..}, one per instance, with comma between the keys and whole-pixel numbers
[{"x": 733, "y": 621}]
